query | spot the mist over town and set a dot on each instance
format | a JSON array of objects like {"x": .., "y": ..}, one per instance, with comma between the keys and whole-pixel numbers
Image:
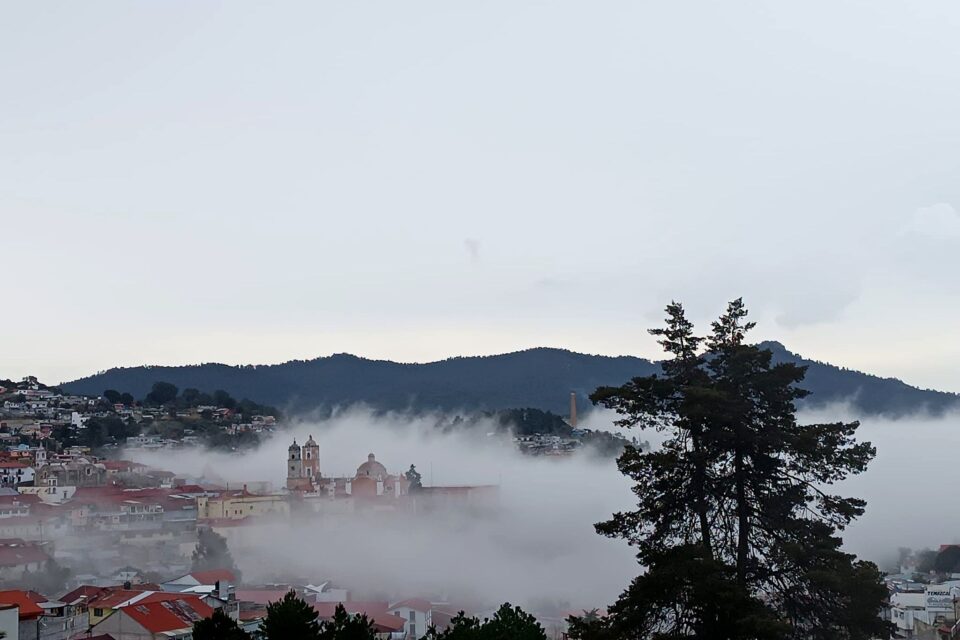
[{"x": 479, "y": 321}]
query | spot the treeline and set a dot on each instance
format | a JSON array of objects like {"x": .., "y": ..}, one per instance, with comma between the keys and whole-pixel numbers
[
  {"x": 168, "y": 396},
  {"x": 292, "y": 617}
]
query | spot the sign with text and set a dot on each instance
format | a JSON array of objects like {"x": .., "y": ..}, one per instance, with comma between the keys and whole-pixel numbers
[{"x": 939, "y": 599}]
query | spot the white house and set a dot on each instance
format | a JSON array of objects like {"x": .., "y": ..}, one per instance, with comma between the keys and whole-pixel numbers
[
  {"x": 14, "y": 473},
  {"x": 417, "y": 615},
  {"x": 921, "y": 611}
]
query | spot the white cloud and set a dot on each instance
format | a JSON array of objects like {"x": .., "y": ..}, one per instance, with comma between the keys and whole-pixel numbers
[{"x": 939, "y": 221}]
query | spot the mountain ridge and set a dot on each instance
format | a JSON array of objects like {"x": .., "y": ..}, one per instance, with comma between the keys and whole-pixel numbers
[{"x": 539, "y": 377}]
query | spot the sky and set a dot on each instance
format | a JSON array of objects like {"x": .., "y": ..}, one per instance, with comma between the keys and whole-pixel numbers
[{"x": 241, "y": 182}]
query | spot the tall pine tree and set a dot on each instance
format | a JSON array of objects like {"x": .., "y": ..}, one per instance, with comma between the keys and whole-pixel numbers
[{"x": 734, "y": 523}]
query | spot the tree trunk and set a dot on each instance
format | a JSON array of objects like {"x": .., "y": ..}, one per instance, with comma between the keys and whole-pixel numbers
[{"x": 743, "y": 518}]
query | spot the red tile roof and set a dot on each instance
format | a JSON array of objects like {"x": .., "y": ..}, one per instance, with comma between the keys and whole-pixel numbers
[
  {"x": 213, "y": 575},
  {"x": 120, "y": 597},
  {"x": 28, "y": 608},
  {"x": 25, "y": 499},
  {"x": 170, "y": 615},
  {"x": 117, "y": 464},
  {"x": 83, "y": 594},
  {"x": 17, "y": 555},
  {"x": 386, "y": 622},
  {"x": 418, "y": 604}
]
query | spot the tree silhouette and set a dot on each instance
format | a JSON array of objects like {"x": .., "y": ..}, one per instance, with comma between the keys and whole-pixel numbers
[
  {"x": 734, "y": 522},
  {"x": 508, "y": 623},
  {"x": 288, "y": 618},
  {"x": 212, "y": 552},
  {"x": 344, "y": 626},
  {"x": 219, "y": 626}
]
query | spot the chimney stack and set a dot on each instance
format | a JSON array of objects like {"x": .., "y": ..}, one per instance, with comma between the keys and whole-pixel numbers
[{"x": 573, "y": 409}]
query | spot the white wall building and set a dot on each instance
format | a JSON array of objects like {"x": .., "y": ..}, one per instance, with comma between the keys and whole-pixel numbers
[{"x": 417, "y": 615}]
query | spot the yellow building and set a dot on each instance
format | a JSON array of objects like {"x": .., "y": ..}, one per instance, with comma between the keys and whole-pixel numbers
[{"x": 241, "y": 505}]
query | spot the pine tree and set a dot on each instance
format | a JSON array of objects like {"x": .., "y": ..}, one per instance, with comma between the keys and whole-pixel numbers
[
  {"x": 508, "y": 623},
  {"x": 733, "y": 522},
  {"x": 219, "y": 626},
  {"x": 290, "y": 617},
  {"x": 343, "y": 626},
  {"x": 414, "y": 479},
  {"x": 212, "y": 552}
]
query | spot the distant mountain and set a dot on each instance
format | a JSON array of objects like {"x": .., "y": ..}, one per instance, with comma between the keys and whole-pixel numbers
[{"x": 540, "y": 378}]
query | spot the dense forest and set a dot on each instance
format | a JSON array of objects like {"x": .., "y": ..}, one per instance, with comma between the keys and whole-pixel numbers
[{"x": 540, "y": 378}]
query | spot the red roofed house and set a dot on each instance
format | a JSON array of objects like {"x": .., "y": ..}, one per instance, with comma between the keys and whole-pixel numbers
[
  {"x": 17, "y": 556},
  {"x": 29, "y": 614},
  {"x": 386, "y": 625},
  {"x": 82, "y": 595},
  {"x": 417, "y": 615},
  {"x": 149, "y": 619},
  {"x": 14, "y": 473}
]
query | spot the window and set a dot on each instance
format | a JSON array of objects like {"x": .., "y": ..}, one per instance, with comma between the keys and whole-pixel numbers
[
  {"x": 98, "y": 612},
  {"x": 413, "y": 630}
]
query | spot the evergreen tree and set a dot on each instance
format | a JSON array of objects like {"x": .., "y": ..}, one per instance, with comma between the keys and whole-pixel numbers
[
  {"x": 288, "y": 618},
  {"x": 462, "y": 627},
  {"x": 343, "y": 626},
  {"x": 161, "y": 393},
  {"x": 508, "y": 623},
  {"x": 219, "y": 626},
  {"x": 212, "y": 552},
  {"x": 512, "y": 623},
  {"x": 415, "y": 479},
  {"x": 734, "y": 523}
]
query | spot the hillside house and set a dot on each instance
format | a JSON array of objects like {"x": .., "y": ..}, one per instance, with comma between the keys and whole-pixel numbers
[
  {"x": 147, "y": 618},
  {"x": 18, "y": 556},
  {"x": 416, "y": 614}
]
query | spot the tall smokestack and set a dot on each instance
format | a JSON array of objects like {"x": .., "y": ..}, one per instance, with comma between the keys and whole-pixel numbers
[{"x": 573, "y": 409}]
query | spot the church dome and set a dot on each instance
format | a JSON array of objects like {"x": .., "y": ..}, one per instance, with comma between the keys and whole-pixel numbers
[
  {"x": 294, "y": 446},
  {"x": 371, "y": 468}
]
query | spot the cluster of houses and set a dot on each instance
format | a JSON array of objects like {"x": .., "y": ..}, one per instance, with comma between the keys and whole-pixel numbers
[
  {"x": 31, "y": 411},
  {"x": 138, "y": 610},
  {"x": 924, "y": 606}
]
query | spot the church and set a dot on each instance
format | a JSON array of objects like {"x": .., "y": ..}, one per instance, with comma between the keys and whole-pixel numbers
[{"x": 371, "y": 480}]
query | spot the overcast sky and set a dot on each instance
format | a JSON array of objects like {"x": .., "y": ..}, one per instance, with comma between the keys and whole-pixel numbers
[{"x": 244, "y": 182}]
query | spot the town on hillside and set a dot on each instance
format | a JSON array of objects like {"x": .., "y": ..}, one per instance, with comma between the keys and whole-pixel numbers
[{"x": 94, "y": 545}]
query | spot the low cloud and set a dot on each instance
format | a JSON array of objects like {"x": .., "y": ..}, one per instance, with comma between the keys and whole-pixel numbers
[
  {"x": 537, "y": 547},
  {"x": 940, "y": 220}
]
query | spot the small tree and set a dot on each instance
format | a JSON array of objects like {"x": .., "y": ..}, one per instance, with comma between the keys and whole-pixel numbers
[
  {"x": 461, "y": 627},
  {"x": 212, "y": 552},
  {"x": 219, "y": 626},
  {"x": 288, "y": 618},
  {"x": 415, "y": 479},
  {"x": 161, "y": 393},
  {"x": 508, "y": 623},
  {"x": 343, "y": 626},
  {"x": 512, "y": 623}
]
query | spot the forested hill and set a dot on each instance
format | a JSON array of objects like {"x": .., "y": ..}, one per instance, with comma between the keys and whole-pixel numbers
[{"x": 540, "y": 378}]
